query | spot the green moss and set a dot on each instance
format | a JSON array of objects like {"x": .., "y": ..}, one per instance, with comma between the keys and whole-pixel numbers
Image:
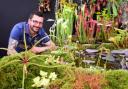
[
  {"x": 117, "y": 79},
  {"x": 11, "y": 74}
]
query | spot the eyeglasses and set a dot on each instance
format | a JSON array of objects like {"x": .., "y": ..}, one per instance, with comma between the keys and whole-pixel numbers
[{"x": 37, "y": 22}]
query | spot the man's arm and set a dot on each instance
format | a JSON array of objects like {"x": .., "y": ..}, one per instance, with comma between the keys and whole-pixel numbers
[
  {"x": 49, "y": 46},
  {"x": 11, "y": 46}
]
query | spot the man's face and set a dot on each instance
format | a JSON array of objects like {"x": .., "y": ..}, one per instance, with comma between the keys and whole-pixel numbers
[{"x": 35, "y": 23}]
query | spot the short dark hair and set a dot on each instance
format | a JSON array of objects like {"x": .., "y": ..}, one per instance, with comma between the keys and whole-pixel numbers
[{"x": 38, "y": 13}]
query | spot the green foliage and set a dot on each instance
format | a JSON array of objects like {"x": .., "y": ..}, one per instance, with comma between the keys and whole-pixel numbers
[
  {"x": 11, "y": 75},
  {"x": 120, "y": 38},
  {"x": 113, "y": 6},
  {"x": 64, "y": 23},
  {"x": 67, "y": 76},
  {"x": 12, "y": 68},
  {"x": 107, "y": 46},
  {"x": 117, "y": 79}
]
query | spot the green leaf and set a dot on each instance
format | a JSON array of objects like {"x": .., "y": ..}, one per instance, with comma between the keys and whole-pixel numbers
[{"x": 114, "y": 9}]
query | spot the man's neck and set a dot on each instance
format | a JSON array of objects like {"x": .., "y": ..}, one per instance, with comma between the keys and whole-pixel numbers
[{"x": 32, "y": 33}]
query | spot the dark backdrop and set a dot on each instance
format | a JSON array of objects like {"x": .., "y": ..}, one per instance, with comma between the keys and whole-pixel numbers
[{"x": 13, "y": 11}]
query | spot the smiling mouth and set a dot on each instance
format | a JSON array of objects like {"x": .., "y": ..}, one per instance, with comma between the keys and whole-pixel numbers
[{"x": 36, "y": 27}]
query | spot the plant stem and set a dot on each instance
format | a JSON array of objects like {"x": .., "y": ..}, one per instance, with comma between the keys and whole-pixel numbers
[{"x": 23, "y": 76}]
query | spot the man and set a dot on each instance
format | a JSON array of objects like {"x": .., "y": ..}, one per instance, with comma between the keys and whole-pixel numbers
[{"x": 33, "y": 33}]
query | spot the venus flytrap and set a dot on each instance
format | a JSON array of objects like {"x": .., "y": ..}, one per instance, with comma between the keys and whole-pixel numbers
[
  {"x": 50, "y": 59},
  {"x": 53, "y": 76},
  {"x": 44, "y": 79},
  {"x": 36, "y": 81},
  {"x": 43, "y": 74}
]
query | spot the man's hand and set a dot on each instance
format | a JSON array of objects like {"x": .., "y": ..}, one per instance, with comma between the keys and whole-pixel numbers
[
  {"x": 38, "y": 49},
  {"x": 49, "y": 46}
]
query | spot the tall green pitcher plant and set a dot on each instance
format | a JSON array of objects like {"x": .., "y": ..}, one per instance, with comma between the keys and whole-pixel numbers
[{"x": 64, "y": 23}]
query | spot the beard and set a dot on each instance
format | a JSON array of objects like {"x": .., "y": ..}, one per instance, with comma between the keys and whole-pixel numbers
[{"x": 35, "y": 29}]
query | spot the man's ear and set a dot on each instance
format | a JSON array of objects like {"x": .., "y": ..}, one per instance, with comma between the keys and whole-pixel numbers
[{"x": 29, "y": 20}]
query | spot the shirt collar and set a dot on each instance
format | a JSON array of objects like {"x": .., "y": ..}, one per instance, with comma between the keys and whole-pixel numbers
[{"x": 27, "y": 28}]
